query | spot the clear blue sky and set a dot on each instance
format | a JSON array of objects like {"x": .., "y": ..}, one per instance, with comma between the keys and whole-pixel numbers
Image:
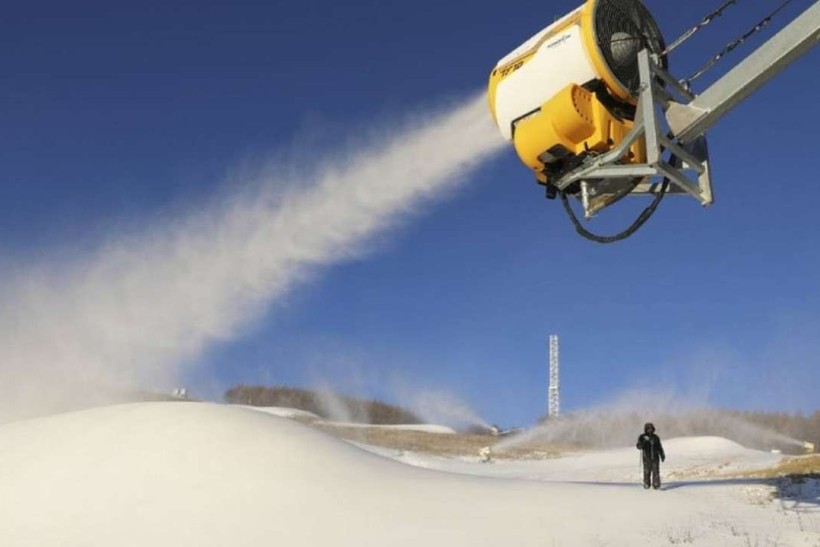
[{"x": 118, "y": 110}]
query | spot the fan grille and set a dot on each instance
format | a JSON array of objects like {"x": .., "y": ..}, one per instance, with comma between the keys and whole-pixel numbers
[{"x": 622, "y": 29}]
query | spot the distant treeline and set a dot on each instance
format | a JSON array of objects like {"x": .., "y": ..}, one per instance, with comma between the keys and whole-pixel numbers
[{"x": 328, "y": 405}]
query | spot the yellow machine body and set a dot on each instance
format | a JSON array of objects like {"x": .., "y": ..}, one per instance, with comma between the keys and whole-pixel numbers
[
  {"x": 540, "y": 96},
  {"x": 573, "y": 122}
]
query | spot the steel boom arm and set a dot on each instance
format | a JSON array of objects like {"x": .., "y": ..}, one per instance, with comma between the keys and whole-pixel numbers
[{"x": 688, "y": 121}]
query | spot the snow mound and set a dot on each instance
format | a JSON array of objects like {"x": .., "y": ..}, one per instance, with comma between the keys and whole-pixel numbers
[
  {"x": 202, "y": 474},
  {"x": 714, "y": 447},
  {"x": 281, "y": 411},
  {"x": 285, "y": 412},
  {"x": 424, "y": 428}
]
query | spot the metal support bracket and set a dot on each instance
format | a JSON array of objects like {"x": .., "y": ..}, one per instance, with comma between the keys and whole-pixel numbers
[
  {"x": 605, "y": 178},
  {"x": 680, "y": 130}
]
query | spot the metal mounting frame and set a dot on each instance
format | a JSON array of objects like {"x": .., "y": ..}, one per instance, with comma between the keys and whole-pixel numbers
[{"x": 603, "y": 177}]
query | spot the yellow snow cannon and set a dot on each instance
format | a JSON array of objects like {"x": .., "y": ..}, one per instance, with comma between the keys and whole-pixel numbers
[{"x": 569, "y": 92}]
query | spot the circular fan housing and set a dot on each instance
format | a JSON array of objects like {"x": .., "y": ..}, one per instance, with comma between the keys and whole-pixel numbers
[
  {"x": 621, "y": 29},
  {"x": 595, "y": 44}
]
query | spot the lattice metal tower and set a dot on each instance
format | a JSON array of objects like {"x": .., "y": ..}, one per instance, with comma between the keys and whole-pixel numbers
[{"x": 554, "y": 392}]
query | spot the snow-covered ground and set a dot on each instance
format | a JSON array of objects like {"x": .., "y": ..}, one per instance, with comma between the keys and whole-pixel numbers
[
  {"x": 424, "y": 428},
  {"x": 202, "y": 474},
  {"x": 689, "y": 459},
  {"x": 296, "y": 413},
  {"x": 282, "y": 412}
]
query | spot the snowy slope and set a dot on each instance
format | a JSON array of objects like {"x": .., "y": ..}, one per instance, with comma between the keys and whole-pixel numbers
[
  {"x": 199, "y": 474},
  {"x": 687, "y": 458},
  {"x": 423, "y": 428},
  {"x": 296, "y": 413},
  {"x": 281, "y": 411}
]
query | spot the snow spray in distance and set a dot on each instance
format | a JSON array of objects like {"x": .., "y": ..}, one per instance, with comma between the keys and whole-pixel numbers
[
  {"x": 351, "y": 376},
  {"x": 618, "y": 424},
  {"x": 444, "y": 408},
  {"x": 141, "y": 306}
]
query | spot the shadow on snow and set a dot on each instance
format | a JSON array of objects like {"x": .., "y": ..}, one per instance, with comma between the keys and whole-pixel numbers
[{"x": 795, "y": 492}]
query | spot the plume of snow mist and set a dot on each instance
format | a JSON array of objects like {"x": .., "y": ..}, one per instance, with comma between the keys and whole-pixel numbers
[
  {"x": 619, "y": 423},
  {"x": 444, "y": 408},
  {"x": 339, "y": 372},
  {"x": 336, "y": 409},
  {"x": 142, "y": 305}
]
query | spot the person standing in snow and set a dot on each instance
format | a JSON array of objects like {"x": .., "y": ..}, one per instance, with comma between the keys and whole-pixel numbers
[{"x": 653, "y": 455}]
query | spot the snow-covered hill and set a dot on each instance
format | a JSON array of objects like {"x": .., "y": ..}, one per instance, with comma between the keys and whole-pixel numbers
[{"x": 201, "y": 474}]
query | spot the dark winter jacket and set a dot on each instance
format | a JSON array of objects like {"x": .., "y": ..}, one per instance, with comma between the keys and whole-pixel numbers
[{"x": 651, "y": 446}]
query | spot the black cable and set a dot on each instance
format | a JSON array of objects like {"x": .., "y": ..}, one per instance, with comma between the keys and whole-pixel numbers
[
  {"x": 645, "y": 215},
  {"x": 642, "y": 218}
]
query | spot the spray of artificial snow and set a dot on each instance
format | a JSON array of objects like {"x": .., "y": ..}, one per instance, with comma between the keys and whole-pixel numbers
[
  {"x": 445, "y": 408},
  {"x": 618, "y": 424},
  {"x": 140, "y": 307}
]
